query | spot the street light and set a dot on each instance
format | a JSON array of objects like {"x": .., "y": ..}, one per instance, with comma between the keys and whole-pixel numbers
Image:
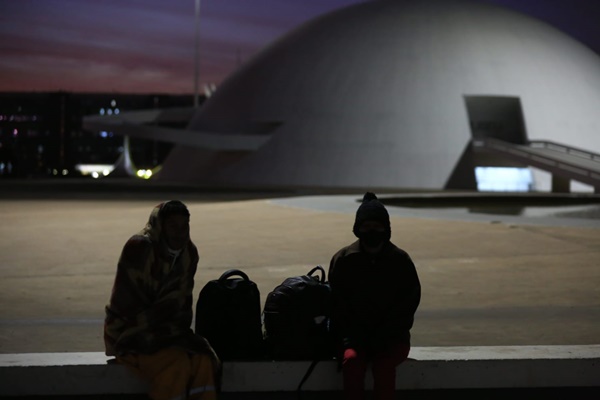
[{"x": 197, "y": 56}]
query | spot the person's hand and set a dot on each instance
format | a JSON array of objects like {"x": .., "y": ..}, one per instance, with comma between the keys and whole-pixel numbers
[{"x": 201, "y": 345}]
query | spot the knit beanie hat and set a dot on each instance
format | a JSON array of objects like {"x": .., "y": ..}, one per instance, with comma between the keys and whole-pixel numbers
[{"x": 371, "y": 209}]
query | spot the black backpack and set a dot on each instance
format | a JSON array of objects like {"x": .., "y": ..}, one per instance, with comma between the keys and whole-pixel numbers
[
  {"x": 228, "y": 316},
  {"x": 296, "y": 319}
]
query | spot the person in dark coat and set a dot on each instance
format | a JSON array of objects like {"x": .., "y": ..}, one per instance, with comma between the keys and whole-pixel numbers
[{"x": 376, "y": 292}]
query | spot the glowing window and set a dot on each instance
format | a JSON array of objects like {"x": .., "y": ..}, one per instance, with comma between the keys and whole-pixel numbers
[{"x": 503, "y": 179}]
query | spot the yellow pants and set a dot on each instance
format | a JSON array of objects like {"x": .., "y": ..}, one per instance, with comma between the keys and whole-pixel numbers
[{"x": 174, "y": 374}]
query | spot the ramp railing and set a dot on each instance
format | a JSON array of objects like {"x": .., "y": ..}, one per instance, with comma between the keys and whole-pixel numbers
[
  {"x": 562, "y": 160},
  {"x": 545, "y": 144}
]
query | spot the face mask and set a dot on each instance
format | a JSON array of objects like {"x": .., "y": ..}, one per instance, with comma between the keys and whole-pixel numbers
[{"x": 372, "y": 238}]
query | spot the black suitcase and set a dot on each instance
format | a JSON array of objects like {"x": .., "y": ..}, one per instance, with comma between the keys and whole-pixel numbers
[{"x": 228, "y": 315}]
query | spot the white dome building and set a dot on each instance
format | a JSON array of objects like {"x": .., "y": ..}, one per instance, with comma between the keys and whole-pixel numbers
[{"x": 390, "y": 94}]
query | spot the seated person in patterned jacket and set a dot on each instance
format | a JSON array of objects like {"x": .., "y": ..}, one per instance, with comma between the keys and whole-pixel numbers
[{"x": 148, "y": 321}]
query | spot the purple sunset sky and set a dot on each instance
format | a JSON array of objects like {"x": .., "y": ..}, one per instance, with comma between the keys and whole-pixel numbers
[{"x": 147, "y": 46}]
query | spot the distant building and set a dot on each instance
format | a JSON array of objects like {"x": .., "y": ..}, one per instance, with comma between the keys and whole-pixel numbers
[
  {"x": 41, "y": 133},
  {"x": 390, "y": 94}
]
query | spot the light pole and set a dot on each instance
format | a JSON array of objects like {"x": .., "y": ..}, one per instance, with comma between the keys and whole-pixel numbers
[{"x": 196, "y": 54}]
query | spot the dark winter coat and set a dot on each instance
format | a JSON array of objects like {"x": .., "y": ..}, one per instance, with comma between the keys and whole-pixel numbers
[{"x": 375, "y": 296}]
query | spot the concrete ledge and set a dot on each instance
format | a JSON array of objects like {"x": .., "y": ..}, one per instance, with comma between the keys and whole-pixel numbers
[{"x": 64, "y": 374}]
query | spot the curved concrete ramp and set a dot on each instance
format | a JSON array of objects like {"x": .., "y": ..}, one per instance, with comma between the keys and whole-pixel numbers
[{"x": 562, "y": 161}]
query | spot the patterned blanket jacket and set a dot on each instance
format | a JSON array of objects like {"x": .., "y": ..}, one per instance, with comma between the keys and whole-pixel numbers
[{"x": 151, "y": 302}]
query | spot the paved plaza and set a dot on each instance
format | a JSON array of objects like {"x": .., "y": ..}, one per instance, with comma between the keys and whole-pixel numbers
[{"x": 486, "y": 279}]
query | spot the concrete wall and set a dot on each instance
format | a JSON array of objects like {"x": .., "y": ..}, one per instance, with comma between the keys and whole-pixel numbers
[{"x": 430, "y": 368}]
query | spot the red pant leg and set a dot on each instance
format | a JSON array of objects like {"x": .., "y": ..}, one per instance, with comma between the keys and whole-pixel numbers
[
  {"x": 354, "y": 369},
  {"x": 384, "y": 370}
]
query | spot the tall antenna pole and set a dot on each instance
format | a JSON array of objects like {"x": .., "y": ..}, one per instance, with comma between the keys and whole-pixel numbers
[{"x": 196, "y": 54}]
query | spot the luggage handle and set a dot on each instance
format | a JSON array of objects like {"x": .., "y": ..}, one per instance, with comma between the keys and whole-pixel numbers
[
  {"x": 232, "y": 272},
  {"x": 318, "y": 268}
]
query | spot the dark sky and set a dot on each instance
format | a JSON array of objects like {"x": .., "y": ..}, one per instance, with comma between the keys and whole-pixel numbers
[{"x": 147, "y": 46}]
